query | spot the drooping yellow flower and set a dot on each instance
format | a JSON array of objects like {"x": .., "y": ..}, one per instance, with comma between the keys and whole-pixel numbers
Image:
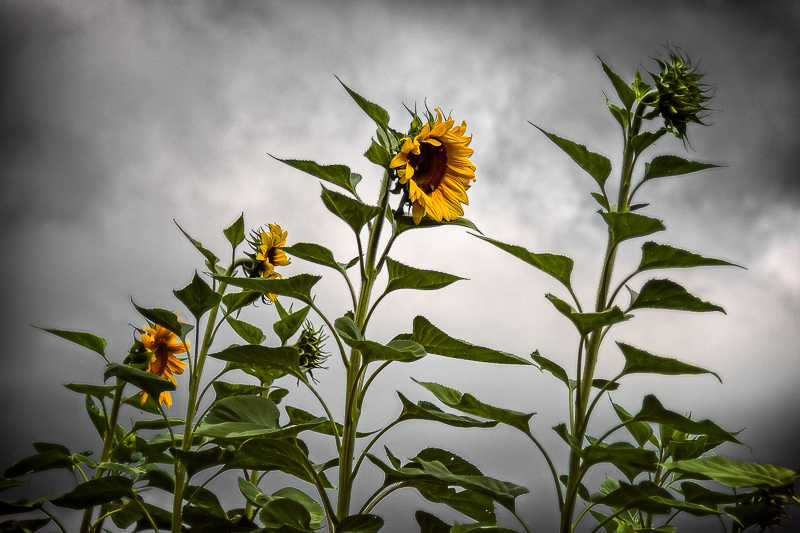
[
  {"x": 435, "y": 169},
  {"x": 164, "y": 345},
  {"x": 268, "y": 254}
]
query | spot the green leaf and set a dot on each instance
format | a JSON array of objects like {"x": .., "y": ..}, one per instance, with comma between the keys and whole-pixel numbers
[
  {"x": 653, "y": 411},
  {"x": 21, "y": 505},
  {"x": 247, "y": 331},
  {"x": 87, "y": 340},
  {"x": 280, "y": 512},
  {"x": 378, "y": 155},
  {"x": 235, "y": 232},
  {"x": 152, "y": 384},
  {"x": 97, "y": 418},
  {"x": 402, "y": 350},
  {"x": 352, "y": 211},
  {"x": 405, "y": 277},
  {"x": 643, "y": 140},
  {"x": 315, "y": 254},
  {"x": 283, "y": 359},
  {"x": 374, "y": 111},
  {"x": 198, "y": 460},
  {"x": 480, "y": 528},
  {"x": 428, "y": 411},
  {"x": 558, "y": 266},
  {"x": 628, "y": 225},
  {"x": 98, "y": 391},
  {"x": 435, "y": 341},
  {"x": 24, "y": 526},
  {"x": 586, "y": 323},
  {"x": 223, "y": 389},
  {"x": 96, "y": 492},
  {"x": 670, "y": 165},
  {"x": 467, "y": 403},
  {"x": 641, "y": 362},
  {"x": 49, "y": 460},
  {"x": 165, "y": 319},
  {"x": 276, "y": 454},
  {"x": 240, "y": 416},
  {"x": 656, "y": 255},
  {"x": 639, "y": 496},
  {"x": 666, "y": 294},
  {"x": 6, "y": 483},
  {"x": 546, "y": 364},
  {"x": 158, "y": 423},
  {"x": 198, "y": 297},
  {"x": 601, "y": 199},
  {"x": 734, "y": 473},
  {"x": 234, "y": 301},
  {"x": 598, "y": 166},
  {"x": 289, "y": 324},
  {"x": 337, "y": 174},
  {"x": 624, "y": 91},
  {"x": 640, "y": 431},
  {"x": 298, "y": 287},
  {"x": 405, "y": 223},
  {"x": 619, "y": 114},
  {"x": 211, "y": 259},
  {"x": 694, "y": 493},
  {"x": 360, "y": 523},
  {"x": 430, "y": 524},
  {"x": 629, "y": 459}
]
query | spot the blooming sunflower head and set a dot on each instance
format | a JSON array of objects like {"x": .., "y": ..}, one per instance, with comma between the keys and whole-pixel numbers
[
  {"x": 163, "y": 346},
  {"x": 682, "y": 97},
  {"x": 435, "y": 169},
  {"x": 310, "y": 344},
  {"x": 267, "y": 253}
]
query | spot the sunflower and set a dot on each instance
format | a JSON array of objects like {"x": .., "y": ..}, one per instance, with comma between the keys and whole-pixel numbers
[
  {"x": 435, "y": 170},
  {"x": 164, "y": 346},
  {"x": 268, "y": 254}
]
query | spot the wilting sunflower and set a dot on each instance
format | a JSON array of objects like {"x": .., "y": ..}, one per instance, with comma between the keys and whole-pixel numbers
[
  {"x": 164, "y": 345},
  {"x": 435, "y": 169},
  {"x": 267, "y": 254}
]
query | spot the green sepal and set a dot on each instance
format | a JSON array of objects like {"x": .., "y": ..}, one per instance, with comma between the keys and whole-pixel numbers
[
  {"x": 374, "y": 111},
  {"x": 235, "y": 232},
  {"x": 96, "y": 492},
  {"x": 284, "y": 359},
  {"x": 666, "y": 294},
  {"x": 435, "y": 341},
  {"x": 352, "y": 211},
  {"x": 198, "y": 297},
  {"x": 150, "y": 383},
  {"x": 289, "y": 324},
  {"x": 598, "y": 166},
  {"x": 360, "y": 523},
  {"x": 467, "y": 403},
  {"x": 165, "y": 319},
  {"x": 626, "y": 95},
  {"x": 298, "y": 287},
  {"x": 586, "y": 323},
  {"x": 628, "y": 225},
  {"x": 81, "y": 338},
  {"x": 250, "y": 333},
  {"x": 671, "y": 165},
  {"x": 314, "y": 253},
  {"x": 211, "y": 259},
  {"x": 429, "y": 411},
  {"x": 406, "y": 277},
  {"x": 734, "y": 473},
  {"x": 558, "y": 266},
  {"x": 641, "y": 362},
  {"x": 655, "y": 255},
  {"x": 337, "y": 174}
]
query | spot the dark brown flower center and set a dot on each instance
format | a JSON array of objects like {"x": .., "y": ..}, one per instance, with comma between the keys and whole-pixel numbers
[{"x": 430, "y": 166}]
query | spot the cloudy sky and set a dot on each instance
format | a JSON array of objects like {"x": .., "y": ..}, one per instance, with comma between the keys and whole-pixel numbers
[{"x": 118, "y": 117}]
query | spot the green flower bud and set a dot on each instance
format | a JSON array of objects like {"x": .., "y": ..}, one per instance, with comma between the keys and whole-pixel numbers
[
  {"x": 310, "y": 344},
  {"x": 682, "y": 98}
]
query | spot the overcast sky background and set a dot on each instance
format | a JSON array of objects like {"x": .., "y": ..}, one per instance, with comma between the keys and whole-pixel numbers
[{"x": 118, "y": 117}]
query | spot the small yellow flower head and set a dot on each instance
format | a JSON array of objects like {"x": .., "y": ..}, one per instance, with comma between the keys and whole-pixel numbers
[
  {"x": 164, "y": 346},
  {"x": 267, "y": 254},
  {"x": 682, "y": 98},
  {"x": 434, "y": 167}
]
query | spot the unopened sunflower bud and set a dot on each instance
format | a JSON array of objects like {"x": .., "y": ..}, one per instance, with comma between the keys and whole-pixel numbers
[{"x": 310, "y": 344}]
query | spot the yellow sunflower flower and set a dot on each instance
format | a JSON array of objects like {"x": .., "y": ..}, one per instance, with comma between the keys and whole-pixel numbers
[
  {"x": 165, "y": 345},
  {"x": 268, "y": 254},
  {"x": 435, "y": 168}
]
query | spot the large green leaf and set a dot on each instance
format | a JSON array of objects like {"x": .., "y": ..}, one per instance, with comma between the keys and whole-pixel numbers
[
  {"x": 87, "y": 340},
  {"x": 314, "y": 253},
  {"x": 198, "y": 460},
  {"x": 374, "y": 111},
  {"x": 284, "y": 359},
  {"x": 152, "y": 384},
  {"x": 405, "y": 277},
  {"x": 735, "y": 473},
  {"x": 646, "y": 496},
  {"x": 96, "y": 492},
  {"x": 337, "y": 174},
  {"x": 435, "y": 341},
  {"x": 276, "y": 454},
  {"x": 558, "y": 266},
  {"x": 198, "y": 297},
  {"x": 629, "y": 225},
  {"x": 666, "y": 294},
  {"x": 250, "y": 333},
  {"x": 360, "y": 523},
  {"x": 630, "y": 460},
  {"x": 598, "y": 166},
  {"x": 223, "y": 389},
  {"x": 624, "y": 91},
  {"x": 289, "y": 324},
  {"x": 467, "y": 403},
  {"x": 586, "y": 323},
  {"x": 280, "y": 512},
  {"x": 653, "y": 411},
  {"x": 671, "y": 165},
  {"x": 298, "y": 286},
  {"x": 300, "y": 417},
  {"x": 641, "y": 362},
  {"x": 211, "y": 259},
  {"x": 405, "y": 223},
  {"x": 655, "y": 255},
  {"x": 402, "y": 350},
  {"x": 48, "y": 460},
  {"x": 165, "y": 319},
  {"x": 240, "y": 416},
  {"x": 235, "y": 232},
  {"x": 429, "y": 411},
  {"x": 352, "y": 211}
]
